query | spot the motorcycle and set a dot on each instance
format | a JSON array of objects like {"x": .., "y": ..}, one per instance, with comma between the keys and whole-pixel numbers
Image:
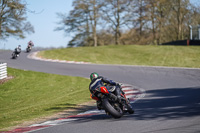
[
  {"x": 110, "y": 104},
  {"x": 28, "y": 49},
  {"x": 15, "y": 54}
]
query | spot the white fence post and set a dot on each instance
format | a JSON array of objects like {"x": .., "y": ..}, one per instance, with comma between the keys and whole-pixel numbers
[{"x": 3, "y": 70}]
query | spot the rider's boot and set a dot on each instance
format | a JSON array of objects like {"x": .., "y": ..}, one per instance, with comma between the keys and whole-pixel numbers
[{"x": 129, "y": 107}]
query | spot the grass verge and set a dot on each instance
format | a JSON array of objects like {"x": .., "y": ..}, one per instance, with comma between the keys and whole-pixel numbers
[
  {"x": 173, "y": 56},
  {"x": 34, "y": 94}
]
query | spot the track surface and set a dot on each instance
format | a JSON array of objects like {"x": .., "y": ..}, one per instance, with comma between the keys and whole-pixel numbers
[{"x": 171, "y": 104}]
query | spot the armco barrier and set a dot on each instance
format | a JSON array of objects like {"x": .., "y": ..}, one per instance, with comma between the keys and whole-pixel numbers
[{"x": 3, "y": 70}]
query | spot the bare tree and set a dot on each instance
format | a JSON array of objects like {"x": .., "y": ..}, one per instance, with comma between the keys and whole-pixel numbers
[
  {"x": 82, "y": 21},
  {"x": 180, "y": 8},
  {"x": 140, "y": 14},
  {"x": 129, "y": 21},
  {"x": 115, "y": 13}
]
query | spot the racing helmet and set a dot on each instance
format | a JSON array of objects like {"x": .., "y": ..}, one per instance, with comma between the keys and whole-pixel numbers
[{"x": 94, "y": 75}]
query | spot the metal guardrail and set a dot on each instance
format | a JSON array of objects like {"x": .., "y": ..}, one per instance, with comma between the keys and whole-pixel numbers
[{"x": 3, "y": 70}]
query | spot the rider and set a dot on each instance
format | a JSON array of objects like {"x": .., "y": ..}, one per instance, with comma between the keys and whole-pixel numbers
[
  {"x": 30, "y": 44},
  {"x": 18, "y": 49},
  {"x": 98, "y": 81}
]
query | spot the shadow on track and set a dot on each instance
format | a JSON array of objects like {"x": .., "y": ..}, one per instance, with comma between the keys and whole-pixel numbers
[{"x": 172, "y": 103}]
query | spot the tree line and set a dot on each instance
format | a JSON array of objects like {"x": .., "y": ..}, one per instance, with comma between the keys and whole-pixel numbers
[{"x": 105, "y": 22}]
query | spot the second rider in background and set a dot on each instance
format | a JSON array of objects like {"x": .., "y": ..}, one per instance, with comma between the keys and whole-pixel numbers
[{"x": 29, "y": 47}]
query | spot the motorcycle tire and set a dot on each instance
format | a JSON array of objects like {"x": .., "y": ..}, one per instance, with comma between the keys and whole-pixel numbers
[
  {"x": 13, "y": 56},
  {"x": 28, "y": 50},
  {"x": 111, "y": 110}
]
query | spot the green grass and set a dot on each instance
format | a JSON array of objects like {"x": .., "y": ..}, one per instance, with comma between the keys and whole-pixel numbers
[
  {"x": 33, "y": 94},
  {"x": 173, "y": 56}
]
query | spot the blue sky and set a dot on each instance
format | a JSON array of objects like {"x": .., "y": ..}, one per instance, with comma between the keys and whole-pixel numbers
[{"x": 44, "y": 24}]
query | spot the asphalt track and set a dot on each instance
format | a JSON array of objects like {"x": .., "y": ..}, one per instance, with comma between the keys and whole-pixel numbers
[{"x": 171, "y": 103}]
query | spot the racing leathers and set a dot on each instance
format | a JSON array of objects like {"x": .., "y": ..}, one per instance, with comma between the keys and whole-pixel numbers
[
  {"x": 18, "y": 50},
  {"x": 101, "y": 81}
]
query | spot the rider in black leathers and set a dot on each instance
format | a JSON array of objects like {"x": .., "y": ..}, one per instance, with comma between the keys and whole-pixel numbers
[
  {"x": 18, "y": 50},
  {"x": 99, "y": 81}
]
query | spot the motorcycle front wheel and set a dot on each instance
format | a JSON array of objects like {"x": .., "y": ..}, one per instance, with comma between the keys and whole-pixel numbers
[
  {"x": 114, "y": 111},
  {"x": 13, "y": 56}
]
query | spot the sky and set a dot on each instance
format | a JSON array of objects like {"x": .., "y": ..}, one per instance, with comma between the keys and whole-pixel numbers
[{"x": 44, "y": 21}]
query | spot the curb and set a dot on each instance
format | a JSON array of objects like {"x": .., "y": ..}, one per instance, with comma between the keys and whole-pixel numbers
[{"x": 33, "y": 55}]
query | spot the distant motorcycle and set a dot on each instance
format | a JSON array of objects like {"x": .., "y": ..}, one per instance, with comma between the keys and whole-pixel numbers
[
  {"x": 28, "y": 49},
  {"x": 16, "y": 53},
  {"x": 109, "y": 103}
]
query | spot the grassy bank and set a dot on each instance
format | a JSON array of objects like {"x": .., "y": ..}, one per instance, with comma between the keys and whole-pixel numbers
[
  {"x": 33, "y": 94},
  {"x": 175, "y": 56}
]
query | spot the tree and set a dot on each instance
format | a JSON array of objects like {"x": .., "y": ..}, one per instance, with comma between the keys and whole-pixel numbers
[
  {"x": 162, "y": 14},
  {"x": 129, "y": 21},
  {"x": 180, "y": 8},
  {"x": 151, "y": 6},
  {"x": 140, "y": 14},
  {"x": 82, "y": 21},
  {"x": 116, "y": 14},
  {"x": 13, "y": 20},
  {"x": 173, "y": 17},
  {"x": 77, "y": 22},
  {"x": 93, "y": 19}
]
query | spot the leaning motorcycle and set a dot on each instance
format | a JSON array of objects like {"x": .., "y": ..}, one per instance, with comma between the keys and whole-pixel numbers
[
  {"x": 110, "y": 104},
  {"x": 28, "y": 49},
  {"x": 15, "y": 54}
]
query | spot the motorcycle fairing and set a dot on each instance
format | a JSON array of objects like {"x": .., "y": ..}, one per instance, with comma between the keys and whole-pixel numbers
[
  {"x": 104, "y": 90},
  {"x": 94, "y": 97}
]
